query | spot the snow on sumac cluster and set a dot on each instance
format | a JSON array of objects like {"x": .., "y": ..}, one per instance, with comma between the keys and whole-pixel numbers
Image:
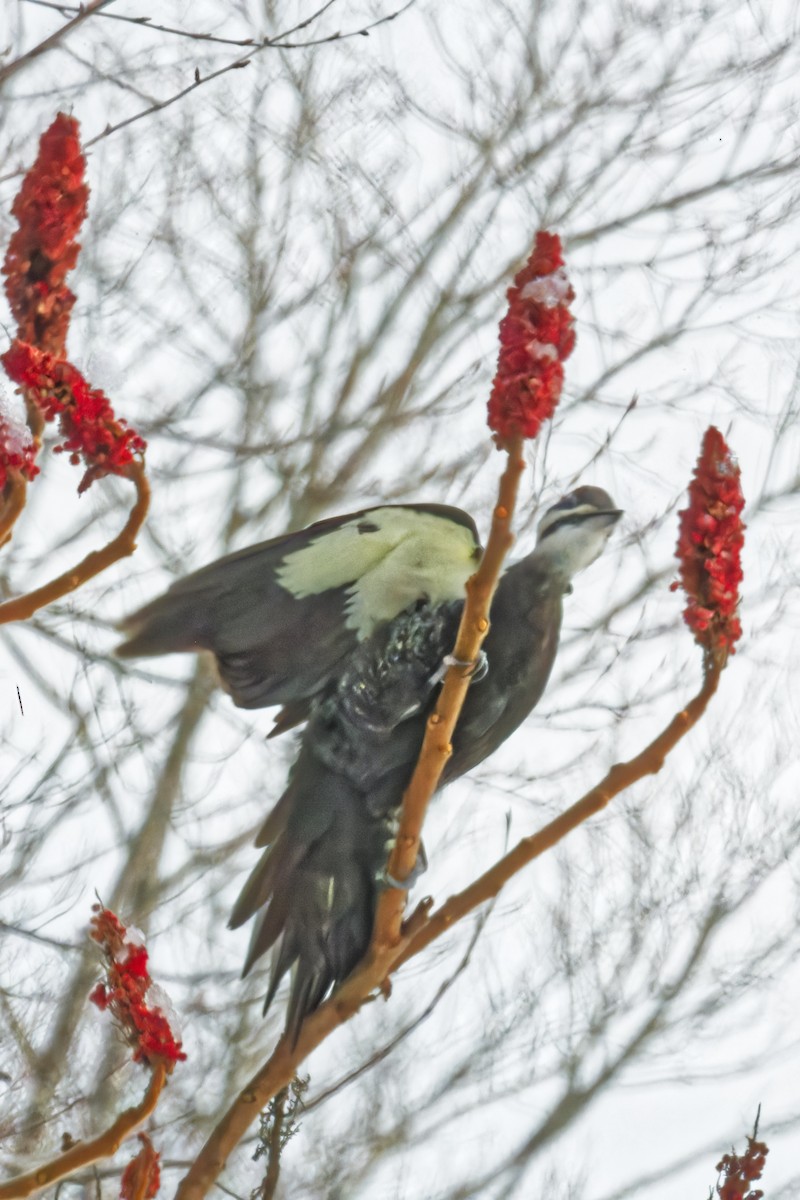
[
  {"x": 17, "y": 447},
  {"x": 141, "y": 1008},
  {"x": 536, "y": 335},
  {"x": 50, "y": 208}
]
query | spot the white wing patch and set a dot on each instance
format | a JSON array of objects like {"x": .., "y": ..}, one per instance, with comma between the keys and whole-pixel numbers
[{"x": 398, "y": 556}]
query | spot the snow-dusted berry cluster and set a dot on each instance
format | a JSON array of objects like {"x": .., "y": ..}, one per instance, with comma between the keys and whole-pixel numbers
[
  {"x": 17, "y": 447},
  {"x": 536, "y": 335},
  {"x": 141, "y": 1007},
  {"x": 50, "y": 208}
]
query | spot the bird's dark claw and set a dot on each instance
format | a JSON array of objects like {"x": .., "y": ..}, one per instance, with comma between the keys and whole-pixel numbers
[
  {"x": 480, "y": 668},
  {"x": 477, "y": 669},
  {"x": 420, "y": 867}
]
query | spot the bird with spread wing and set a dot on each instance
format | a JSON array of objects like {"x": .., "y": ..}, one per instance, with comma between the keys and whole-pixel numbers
[{"x": 346, "y": 625}]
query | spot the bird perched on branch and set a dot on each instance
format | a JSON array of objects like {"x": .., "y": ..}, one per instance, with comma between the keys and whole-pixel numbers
[{"x": 346, "y": 624}]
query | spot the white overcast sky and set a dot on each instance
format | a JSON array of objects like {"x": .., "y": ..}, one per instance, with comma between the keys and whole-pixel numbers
[{"x": 644, "y": 1119}]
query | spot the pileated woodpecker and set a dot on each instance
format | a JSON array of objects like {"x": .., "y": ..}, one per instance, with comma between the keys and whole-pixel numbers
[{"x": 346, "y": 624}]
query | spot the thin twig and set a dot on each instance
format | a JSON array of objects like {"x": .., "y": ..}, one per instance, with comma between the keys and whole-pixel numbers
[
  {"x": 146, "y": 23},
  {"x": 277, "y": 43},
  {"x": 260, "y": 43},
  {"x": 50, "y": 42}
]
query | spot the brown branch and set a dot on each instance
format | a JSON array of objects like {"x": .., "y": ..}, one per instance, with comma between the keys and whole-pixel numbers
[
  {"x": 85, "y": 1153},
  {"x": 277, "y": 43},
  {"x": 389, "y": 937},
  {"x": 620, "y": 777},
  {"x": 123, "y": 544},
  {"x": 415, "y": 935},
  {"x": 13, "y": 503},
  {"x": 52, "y": 41},
  {"x": 437, "y": 745}
]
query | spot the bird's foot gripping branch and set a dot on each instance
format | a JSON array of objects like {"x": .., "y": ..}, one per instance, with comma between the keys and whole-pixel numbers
[{"x": 50, "y": 208}]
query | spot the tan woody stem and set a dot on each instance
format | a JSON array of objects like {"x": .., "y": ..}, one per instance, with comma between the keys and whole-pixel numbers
[
  {"x": 85, "y": 1153},
  {"x": 416, "y": 934},
  {"x": 122, "y": 545},
  {"x": 437, "y": 747}
]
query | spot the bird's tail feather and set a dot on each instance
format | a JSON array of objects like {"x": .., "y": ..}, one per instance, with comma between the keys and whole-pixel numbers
[{"x": 314, "y": 890}]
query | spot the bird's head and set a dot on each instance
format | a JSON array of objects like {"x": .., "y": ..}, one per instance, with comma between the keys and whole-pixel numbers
[{"x": 574, "y": 531}]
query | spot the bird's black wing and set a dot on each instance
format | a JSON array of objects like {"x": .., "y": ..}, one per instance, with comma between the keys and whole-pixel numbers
[{"x": 280, "y": 616}]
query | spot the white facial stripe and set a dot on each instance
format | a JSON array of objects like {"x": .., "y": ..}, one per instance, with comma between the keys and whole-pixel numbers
[
  {"x": 409, "y": 555},
  {"x": 558, "y": 514}
]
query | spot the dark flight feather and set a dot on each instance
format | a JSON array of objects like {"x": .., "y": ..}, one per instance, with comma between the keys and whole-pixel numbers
[{"x": 273, "y": 647}]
